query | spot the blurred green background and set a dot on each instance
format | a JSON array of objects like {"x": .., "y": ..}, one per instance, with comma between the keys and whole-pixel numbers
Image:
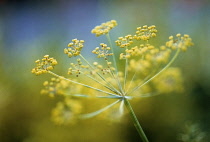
[{"x": 30, "y": 29}]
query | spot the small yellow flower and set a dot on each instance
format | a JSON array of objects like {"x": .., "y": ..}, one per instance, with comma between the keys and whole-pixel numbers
[
  {"x": 170, "y": 81},
  {"x": 124, "y": 41},
  {"x": 75, "y": 48},
  {"x": 181, "y": 42},
  {"x": 145, "y": 32},
  {"x": 45, "y": 65},
  {"x": 104, "y": 28},
  {"x": 102, "y": 52},
  {"x": 66, "y": 112}
]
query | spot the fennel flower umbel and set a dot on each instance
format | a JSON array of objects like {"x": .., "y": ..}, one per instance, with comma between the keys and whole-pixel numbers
[{"x": 138, "y": 71}]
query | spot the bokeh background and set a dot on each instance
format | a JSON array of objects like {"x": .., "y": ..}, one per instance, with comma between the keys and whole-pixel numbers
[{"x": 30, "y": 29}]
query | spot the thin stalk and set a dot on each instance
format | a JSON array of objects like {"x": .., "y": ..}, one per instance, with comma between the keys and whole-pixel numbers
[
  {"x": 109, "y": 40},
  {"x": 134, "y": 75},
  {"x": 172, "y": 60},
  {"x": 115, "y": 64},
  {"x": 108, "y": 83},
  {"x": 82, "y": 84},
  {"x": 111, "y": 72},
  {"x": 111, "y": 89},
  {"x": 135, "y": 121},
  {"x": 126, "y": 71},
  {"x": 147, "y": 77},
  {"x": 139, "y": 83},
  {"x": 92, "y": 114}
]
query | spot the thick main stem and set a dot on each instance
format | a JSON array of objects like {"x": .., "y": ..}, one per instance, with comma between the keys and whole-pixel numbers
[{"x": 135, "y": 121}]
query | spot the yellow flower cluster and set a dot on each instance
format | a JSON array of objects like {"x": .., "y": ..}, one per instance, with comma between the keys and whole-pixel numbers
[
  {"x": 104, "y": 71},
  {"x": 45, "y": 65},
  {"x": 66, "y": 112},
  {"x": 182, "y": 42},
  {"x": 124, "y": 41},
  {"x": 75, "y": 48},
  {"x": 136, "y": 51},
  {"x": 59, "y": 86},
  {"x": 170, "y": 81},
  {"x": 140, "y": 66},
  {"x": 158, "y": 55},
  {"x": 145, "y": 32},
  {"x": 77, "y": 68},
  {"x": 102, "y": 52},
  {"x": 104, "y": 28},
  {"x": 50, "y": 87},
  {"x": 150, "y": 60}
]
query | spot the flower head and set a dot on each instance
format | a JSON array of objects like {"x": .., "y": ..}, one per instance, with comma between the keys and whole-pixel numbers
[
  {"x": 44, "y": 65},
  {"x": 50, "y": 87},
  {"x": 145, "y": 32},
  {"x": 104, "y": 28},
  {"x": 66, "y": 112},
  {"x": 181, "y": 42},
  {"x": 78, "y": 68},
  {"x": 102, "y": 52},
  {"x": 124, "y": 41},
  {"x": 170, "y": 81},
  {"x": 75, "y": 48}
]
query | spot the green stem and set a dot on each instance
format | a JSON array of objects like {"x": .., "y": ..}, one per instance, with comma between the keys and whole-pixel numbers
[{"x": 135, "y": 121}]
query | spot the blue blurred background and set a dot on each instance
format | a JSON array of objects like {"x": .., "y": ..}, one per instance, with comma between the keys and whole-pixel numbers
[{"x": 30, "y": 29}]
